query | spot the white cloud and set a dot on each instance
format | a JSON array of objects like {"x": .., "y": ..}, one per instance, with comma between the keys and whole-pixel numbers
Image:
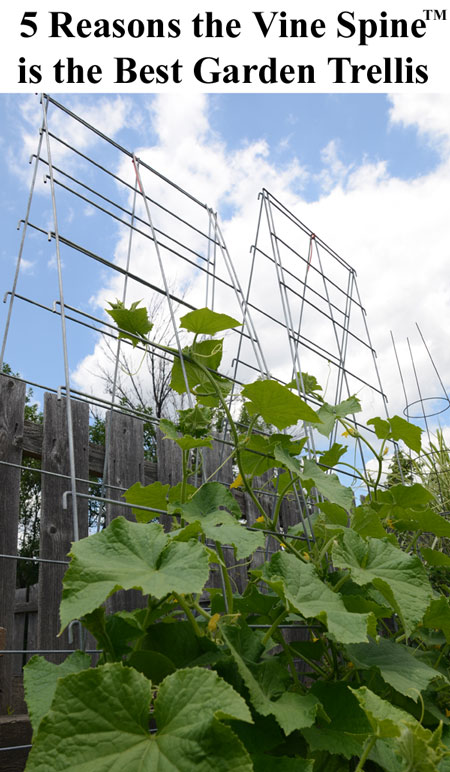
[
  {"x": 394, "y": 232},
  {"x": 428, "y": 113},
  {"x": 108, "y": 114}
]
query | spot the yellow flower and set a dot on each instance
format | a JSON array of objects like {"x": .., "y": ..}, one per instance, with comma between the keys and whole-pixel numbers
[
  {"x": 349, "y": 433},
  {"x": 447, "y": 712},
  {"x": 259, "y": 519},
  {"x": 390, "y": 523},
  {"x": 350, "y": 664},
  {"x": 238, "y": 482},
  {"x": 314, "y": 639},
  {"x": 282, "y": 544},
  {"x": 385, "y": 451},
  {"x": 212, "y": 624},
  {"x": 307, "y": 556}
]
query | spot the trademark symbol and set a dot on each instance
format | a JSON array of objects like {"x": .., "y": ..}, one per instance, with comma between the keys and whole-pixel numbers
[{"x": 433, "y": 15}]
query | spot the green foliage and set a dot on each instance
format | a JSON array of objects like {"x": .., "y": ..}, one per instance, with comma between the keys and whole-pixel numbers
[
  {"x": 205, "y": 678},
  {"x": 276, "y": 404},
  {"x": 329, "y": 414},
  {"x": 207, "y": 322},
  {"x": 398, "y": 429},
  {"x": 133, "y": 322},
  {"x": 125, "y": 556}
]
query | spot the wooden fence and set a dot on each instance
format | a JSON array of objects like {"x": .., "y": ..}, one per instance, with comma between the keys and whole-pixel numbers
[{"x": 30, "y": 618}]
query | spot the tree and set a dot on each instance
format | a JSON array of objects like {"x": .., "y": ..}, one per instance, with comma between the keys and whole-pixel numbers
[
  {"x": 29, "y": 501},
  {"x": 401, "y": 470},
  {"x": 144, "y": 385}
]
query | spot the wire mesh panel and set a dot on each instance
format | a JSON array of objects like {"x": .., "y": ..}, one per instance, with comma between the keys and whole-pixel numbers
[{"x": 306, "y": 305}]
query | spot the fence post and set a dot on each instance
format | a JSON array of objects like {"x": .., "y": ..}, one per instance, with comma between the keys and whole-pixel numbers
[
  {"x": 56, "y": 523},
  {"x": 124, "y": 448},
  {"x": 12, "y": 404}
]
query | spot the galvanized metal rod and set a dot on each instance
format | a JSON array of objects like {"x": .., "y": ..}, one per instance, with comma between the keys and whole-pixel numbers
[
  {"x": 21, "y": 247},
  {"x": 63, "y": 330}
]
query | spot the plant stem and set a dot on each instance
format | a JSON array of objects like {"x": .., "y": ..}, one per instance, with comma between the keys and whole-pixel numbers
[
  {"x": 370, "y": 742},
  {"x": 274, "y": 627},
  {"x": 185, "y": 455},
  {"x": 279, "y": 639},
  {"x": 233, "y": 429},
  {"x": 201, "y": 610},
  {"x": 413, "y": 541},
  {"x": 324, "y": 550},
  {"x": 341, "y": 581},
  {"x": 280, "y": 500},
  {"x": 189, "y": 614},
  {"x": 226, "y": 579}
]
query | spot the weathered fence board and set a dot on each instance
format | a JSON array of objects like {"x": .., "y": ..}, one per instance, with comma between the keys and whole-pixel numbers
[
  {"x": 57, "y": 523},
  {"x": 12, "y": 404},
  {"x": 30, "y": 617},
  {"x": 124, "y": 467}
]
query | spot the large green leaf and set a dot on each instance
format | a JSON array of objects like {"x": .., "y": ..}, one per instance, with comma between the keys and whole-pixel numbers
[
  {"x": 327, "y": 484},
  {"x": 209, "y": 508},
  {"x": 185, "y": 442},
  {"x": 257, "y": 456},
  {"x": 409, "y": 433},
  {"x": 405, "y": 496},
  {"x": 424, "y": 520},
  {"x": 408, "y": 507},
  {"x": 329, "y": 413},
  {"x": 438, "y": 616},
  {"x": 385, "y": 719},
  {"x": 276, "y": 404},
  {"x": 307, "y": 594},
  {"x": 435, "y": 558},
  {"x": 99, "y": 722},
  {"x": 178, "y": 641},
  {"x": 331, "y": 456},
  {"x": 348, "y": 727},
  {"x": 259, "y": 453},
  {"x": 366, "y": 522},
  {"x": 153, "y": 496},
  {"x": 397, "y": 664},
  {"x": 419, "y": 748},
  {"x": 129, "y": 555},
  {"x": 40, "y": 679},
  {"x": 262, "y": 763},
  {"x": 310, "y": 385},
  {"x": 292, "y": 711},
  {"x": 206, "y": 392},
  {"x": 288, "y": 461},
  {"x": 398, "y": 429},
  {"x": 207, "y": 353},
  {"x": 195, "y": 421},
  {"x": 401, "y": 578},
  {"x": 334, "y": 514},
  {"x": 134, "y": 321},
  {"x": 203, "y": 321}
]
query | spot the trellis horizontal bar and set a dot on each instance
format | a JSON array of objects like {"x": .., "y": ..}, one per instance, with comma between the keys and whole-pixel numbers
[
  {"x": 35, "y": 560},
  {"x": 131, "y": 187},
  {"x": 123, "y": 149},
  {"x": 291, "y": 216},
  {"x": 16, "y": 748}
]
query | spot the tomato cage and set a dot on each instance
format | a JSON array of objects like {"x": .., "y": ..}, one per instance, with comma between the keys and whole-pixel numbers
[{"x": 102, "y": 224}]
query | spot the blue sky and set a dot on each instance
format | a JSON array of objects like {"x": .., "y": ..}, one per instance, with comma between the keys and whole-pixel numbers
[{"x": 368, "y": 173}]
